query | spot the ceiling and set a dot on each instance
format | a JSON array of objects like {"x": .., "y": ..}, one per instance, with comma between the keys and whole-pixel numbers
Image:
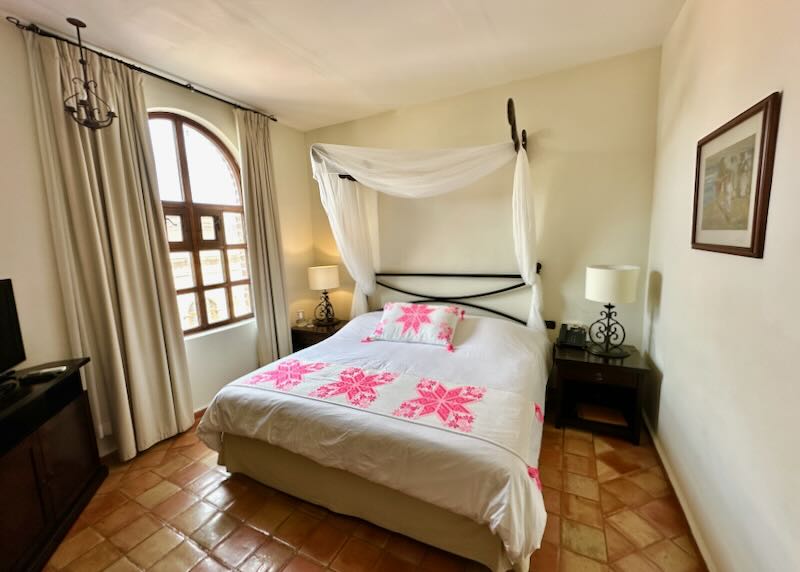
[{"x": 318, "y": 62}]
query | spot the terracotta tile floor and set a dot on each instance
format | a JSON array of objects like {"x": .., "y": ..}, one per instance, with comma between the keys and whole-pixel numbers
[
  {"x": 173, "y": 509},
  {"x": 610, "y": 507}
]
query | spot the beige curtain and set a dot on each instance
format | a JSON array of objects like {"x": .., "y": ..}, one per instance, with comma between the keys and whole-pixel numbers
[
  {"x": 263, "y": 237},
  {"x": 111, "y": 246}
]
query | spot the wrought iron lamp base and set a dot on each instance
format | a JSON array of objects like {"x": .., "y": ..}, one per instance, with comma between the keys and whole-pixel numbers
[
  {"x": 607, "y": 335},
  {"x": 323, "y": 313}
]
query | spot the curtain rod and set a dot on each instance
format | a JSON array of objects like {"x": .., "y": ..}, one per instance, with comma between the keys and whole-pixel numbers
[{"x": 30, "y": 27}]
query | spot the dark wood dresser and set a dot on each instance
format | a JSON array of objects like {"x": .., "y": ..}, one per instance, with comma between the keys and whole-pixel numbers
[
  {"x": 305, "y": 336},
  {"x": 49, "y": 467}
]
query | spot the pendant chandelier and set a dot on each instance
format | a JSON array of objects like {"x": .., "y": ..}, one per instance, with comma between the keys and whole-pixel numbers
[{"x": 85, "y": 106}]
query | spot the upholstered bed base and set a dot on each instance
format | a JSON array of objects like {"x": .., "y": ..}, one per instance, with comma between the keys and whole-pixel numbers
[{"x": 346, "y": 493}]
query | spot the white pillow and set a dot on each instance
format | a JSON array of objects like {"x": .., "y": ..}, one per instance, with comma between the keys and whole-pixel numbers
[{"x": 418, "y": 323}]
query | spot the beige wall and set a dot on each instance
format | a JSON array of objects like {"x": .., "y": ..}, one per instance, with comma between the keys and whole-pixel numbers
[
  {"x": 216, "y": 115},
  {"x": 292, "y": 180},
  {"x": 722, "y": 329},
  {"x": 592, "y": 132},
  {"x": 26, "y": 249}
]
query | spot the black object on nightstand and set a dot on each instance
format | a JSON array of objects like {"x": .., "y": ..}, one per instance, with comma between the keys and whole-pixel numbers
[
  {"x": 305, "y": 336},
  {"x": 599, "y": 394}
]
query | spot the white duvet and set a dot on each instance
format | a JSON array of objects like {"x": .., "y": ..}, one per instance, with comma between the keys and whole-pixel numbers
[{"x": 483, "y": 468}]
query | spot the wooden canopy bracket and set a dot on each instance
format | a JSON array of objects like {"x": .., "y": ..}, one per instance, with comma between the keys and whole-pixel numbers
[{"x": 512, "y": 122}]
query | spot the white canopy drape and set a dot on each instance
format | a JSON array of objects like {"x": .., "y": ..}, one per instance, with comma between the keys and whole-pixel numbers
[{"x": 415, "y": 174}]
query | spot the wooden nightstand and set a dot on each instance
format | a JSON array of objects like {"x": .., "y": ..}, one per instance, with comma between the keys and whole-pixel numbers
[
  {"x": 598, "y": 394},
  {"x": 305, "y": 336}
]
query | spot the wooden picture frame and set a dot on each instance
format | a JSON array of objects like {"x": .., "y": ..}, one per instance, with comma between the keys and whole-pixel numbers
[{"x": 733, "y": 177}]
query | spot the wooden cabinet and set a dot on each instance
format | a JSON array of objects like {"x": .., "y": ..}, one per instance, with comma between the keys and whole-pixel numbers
[
  {"x": 49, "y": 468},
  {"x": 68, "y": 454},
  {"x": 24, "y": 517}
]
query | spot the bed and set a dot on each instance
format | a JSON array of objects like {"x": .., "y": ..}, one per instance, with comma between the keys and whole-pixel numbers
[{"x": 467, "y": 484}]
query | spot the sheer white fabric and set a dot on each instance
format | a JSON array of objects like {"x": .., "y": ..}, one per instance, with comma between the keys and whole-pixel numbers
[
  {"x": 524, "y": 228},
  {"x": 349, "y": 218},
  {"x": 414, "y": 174}
]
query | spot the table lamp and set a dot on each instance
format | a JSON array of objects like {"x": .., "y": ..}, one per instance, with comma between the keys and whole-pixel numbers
[
  {"x": 612, "y": 284},
  {"x": 324, "y": 278}
]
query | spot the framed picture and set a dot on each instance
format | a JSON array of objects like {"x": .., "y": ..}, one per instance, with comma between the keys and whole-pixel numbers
[{"x": 732, "y": 182}]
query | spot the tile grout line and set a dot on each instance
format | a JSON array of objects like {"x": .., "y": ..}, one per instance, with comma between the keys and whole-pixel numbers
[
  {"x": 635, "y": 509},
  {"x": 149, "y": 511},
  {"x": 209, "y": 552},
  {"x": 681, "y": 496},
  {"x": 214, "y": 477}
]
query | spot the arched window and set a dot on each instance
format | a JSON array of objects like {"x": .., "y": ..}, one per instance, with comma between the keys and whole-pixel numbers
[{"x": 198, "y": 180}]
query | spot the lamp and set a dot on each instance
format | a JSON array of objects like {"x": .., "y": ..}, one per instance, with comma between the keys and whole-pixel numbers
[
  {"x": 324, "y": 278},
  {"x": 613, "y": 285},
  {"x": 85, "y": 106}
]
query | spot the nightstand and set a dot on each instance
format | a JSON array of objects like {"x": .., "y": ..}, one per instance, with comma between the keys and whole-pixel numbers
[
  {"x": 597, "y": 394},
  {"x": 305, "y": 336}
]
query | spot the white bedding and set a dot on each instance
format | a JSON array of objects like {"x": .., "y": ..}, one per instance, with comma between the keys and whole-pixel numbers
[{"x": 482, "y": 474}]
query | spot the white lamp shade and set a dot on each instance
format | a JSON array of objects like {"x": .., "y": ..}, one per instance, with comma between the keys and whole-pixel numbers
[
  {"x": 612, "y": 284},
  {"x": 323, "y": 277}
]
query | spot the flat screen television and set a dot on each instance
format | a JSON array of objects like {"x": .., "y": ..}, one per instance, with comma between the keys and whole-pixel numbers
[{"x": 12, "y": 352}]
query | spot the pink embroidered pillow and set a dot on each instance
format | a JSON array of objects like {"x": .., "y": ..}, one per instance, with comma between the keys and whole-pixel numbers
[{"x": 418, "y": 323}]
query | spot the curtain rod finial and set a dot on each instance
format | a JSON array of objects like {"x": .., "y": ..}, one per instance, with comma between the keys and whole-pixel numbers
[{"x": 512, "y": 121}]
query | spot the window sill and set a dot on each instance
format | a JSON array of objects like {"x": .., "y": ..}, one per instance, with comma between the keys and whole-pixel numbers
[{"x": 219, "y": 330}]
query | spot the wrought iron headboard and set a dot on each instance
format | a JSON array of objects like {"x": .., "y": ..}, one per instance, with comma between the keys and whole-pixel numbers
[{"x": 461, "y": 299}]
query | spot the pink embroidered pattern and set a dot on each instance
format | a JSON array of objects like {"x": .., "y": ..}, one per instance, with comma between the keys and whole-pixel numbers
[
  {"x": 448, "y": 404},
  {"x": 533, "y": 473},
  {"x": 455, "y": 310},
  {"x": 356, "y": 385},
  {"x": 537, "y": 410},
  {"x": 414, "y": 315},
  {"x": 378, "y": 331},
  {"x": 288, "y": 374},
  {"x": 446, "y": 334},
  {"x": 417, "y": 323}
]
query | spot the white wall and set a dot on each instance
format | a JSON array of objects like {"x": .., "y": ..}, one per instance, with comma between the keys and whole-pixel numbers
[
  {"x": 592, "y": 132},
  {"x": 722, "y": 329},
  {"x": 26, "y": 248}
]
